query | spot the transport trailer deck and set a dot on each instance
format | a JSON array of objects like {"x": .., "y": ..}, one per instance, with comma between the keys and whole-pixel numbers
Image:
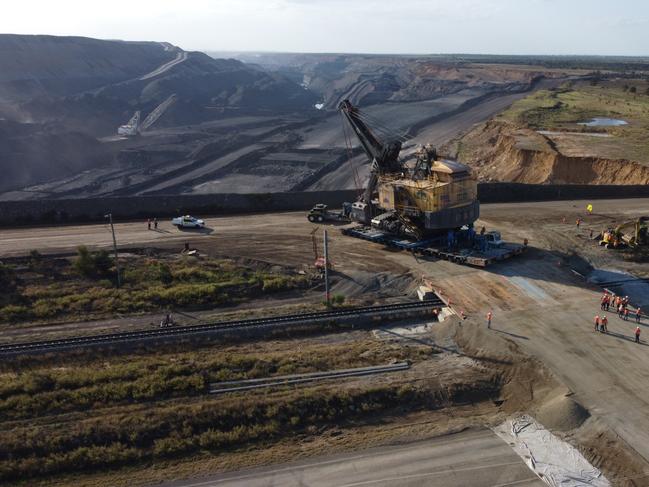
[{"x": 437, "y": 247}]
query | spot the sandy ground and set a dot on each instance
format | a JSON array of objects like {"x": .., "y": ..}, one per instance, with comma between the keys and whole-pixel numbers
[{"x": 538, "y": 301}]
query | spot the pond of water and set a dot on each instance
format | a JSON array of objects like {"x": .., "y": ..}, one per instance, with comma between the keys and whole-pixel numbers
[{"x": 604, "y": 122}]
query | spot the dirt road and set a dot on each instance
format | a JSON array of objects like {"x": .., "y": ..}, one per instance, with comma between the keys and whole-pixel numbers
[
  {"x": 477, "y": 458},
  {"x": 272, "y": 233},
  {"x": 181, "y": 57}
]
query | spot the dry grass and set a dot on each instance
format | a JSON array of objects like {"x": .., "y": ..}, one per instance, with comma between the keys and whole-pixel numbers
[
  {"x": 81, "y": 415},
  {"x": 53, "y": 289}
]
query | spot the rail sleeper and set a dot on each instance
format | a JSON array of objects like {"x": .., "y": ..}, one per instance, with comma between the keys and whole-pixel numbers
[{"x": 349, "y": 315}]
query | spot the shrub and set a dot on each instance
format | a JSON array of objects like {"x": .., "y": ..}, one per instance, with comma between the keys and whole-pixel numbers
[
  {"x": 282, "y": 283},
  {"x": 171, "y": 446},
  {"x": 14, "y": 312},
  {"x": 164, "y": 274},
  {"x": 102, "y": 261},
  {"x": 91, "y": 264},
  {"x": 105, "y": 283},
  {"x": 84, "y": 263}
]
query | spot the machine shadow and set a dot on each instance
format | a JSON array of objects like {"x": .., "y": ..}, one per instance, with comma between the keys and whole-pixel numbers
[{"x": 201, "y": 231}]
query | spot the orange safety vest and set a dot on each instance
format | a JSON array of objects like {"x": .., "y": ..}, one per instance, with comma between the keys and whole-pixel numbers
[
  {"x": 637, "y": 330},
  {"x": 604, "y": 320}
]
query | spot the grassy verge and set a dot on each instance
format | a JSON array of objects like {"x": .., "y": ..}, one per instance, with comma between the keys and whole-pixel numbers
[
  {"x": 45, "y": 289},
  {"x": 180, "y": 430},
  {"x": 38, "y": 390},
  {"x": 73, "y": 416}
]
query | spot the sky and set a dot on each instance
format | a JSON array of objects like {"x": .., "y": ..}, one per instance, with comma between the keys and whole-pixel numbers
[{"x": 605, "y": 27}]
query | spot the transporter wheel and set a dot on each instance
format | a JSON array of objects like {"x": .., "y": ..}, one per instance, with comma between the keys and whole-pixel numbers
[
  {"x": 320, "y": 219},
  {"x": 311, "y": 218}
]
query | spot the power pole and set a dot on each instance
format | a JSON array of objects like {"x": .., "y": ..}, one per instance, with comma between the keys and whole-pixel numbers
[
  {"x": 112, "y": 229},
  {"x": 326, "y": 266}
]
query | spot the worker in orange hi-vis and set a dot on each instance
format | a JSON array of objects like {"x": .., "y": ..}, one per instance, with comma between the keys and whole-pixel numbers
[
  {"x": 602, "y": 303},
  {"x": 596, "y": 322},
  {"x": 604, "y": 325},
  {"x": 637, "y": 334},
  {"x": 489, "y": 316}
]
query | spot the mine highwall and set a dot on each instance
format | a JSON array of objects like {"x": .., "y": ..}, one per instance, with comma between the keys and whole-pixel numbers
[{"x": 141, "y": 207}]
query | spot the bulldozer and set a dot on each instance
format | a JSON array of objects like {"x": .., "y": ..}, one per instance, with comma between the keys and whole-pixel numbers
[
  {"x": 428, "y": 198},
  {"x": 633, "y": 233}
]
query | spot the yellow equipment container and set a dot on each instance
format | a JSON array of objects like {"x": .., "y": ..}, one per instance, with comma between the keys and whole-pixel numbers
[{"x": 445, "y": 197}]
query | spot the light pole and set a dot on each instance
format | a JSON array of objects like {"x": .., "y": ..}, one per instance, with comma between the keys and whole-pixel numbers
[
  {"x": 112, "y": 229},
  {"x": 326, "y": 269}
]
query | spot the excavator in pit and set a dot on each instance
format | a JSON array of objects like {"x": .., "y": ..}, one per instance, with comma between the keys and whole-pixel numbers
[{"x": 428, "y": 198}]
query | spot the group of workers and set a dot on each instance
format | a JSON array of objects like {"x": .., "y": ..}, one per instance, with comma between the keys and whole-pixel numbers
[
  {"x": 621, "y": 306},
  {"x": 154, "y": 221}
]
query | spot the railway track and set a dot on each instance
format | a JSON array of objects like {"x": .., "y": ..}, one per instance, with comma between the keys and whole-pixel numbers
[{"x": 347, "y": 315}]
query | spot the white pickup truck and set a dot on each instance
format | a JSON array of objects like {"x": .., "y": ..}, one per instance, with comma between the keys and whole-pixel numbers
[{"x": 188, "y": 222}]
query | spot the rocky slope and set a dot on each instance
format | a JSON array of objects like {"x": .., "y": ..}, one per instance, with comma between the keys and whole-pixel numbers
[
  {"x": 59, "y": 95},
  {"x": 34, "y": 153},
  {"x": 204, "y": 88},
  {"x": 370, "y": 79},
  {"x": 501, "y": 151},
  {"x": 58, "y": 66}
]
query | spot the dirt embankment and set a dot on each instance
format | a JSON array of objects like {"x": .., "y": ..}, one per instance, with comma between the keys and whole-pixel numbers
[
  {"x": 528, "y": 386},
  {"x": 501, "y": 151}
]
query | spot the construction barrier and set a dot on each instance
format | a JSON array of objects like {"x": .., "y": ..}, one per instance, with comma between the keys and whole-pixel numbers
[{"x": 133, "y": 207}]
